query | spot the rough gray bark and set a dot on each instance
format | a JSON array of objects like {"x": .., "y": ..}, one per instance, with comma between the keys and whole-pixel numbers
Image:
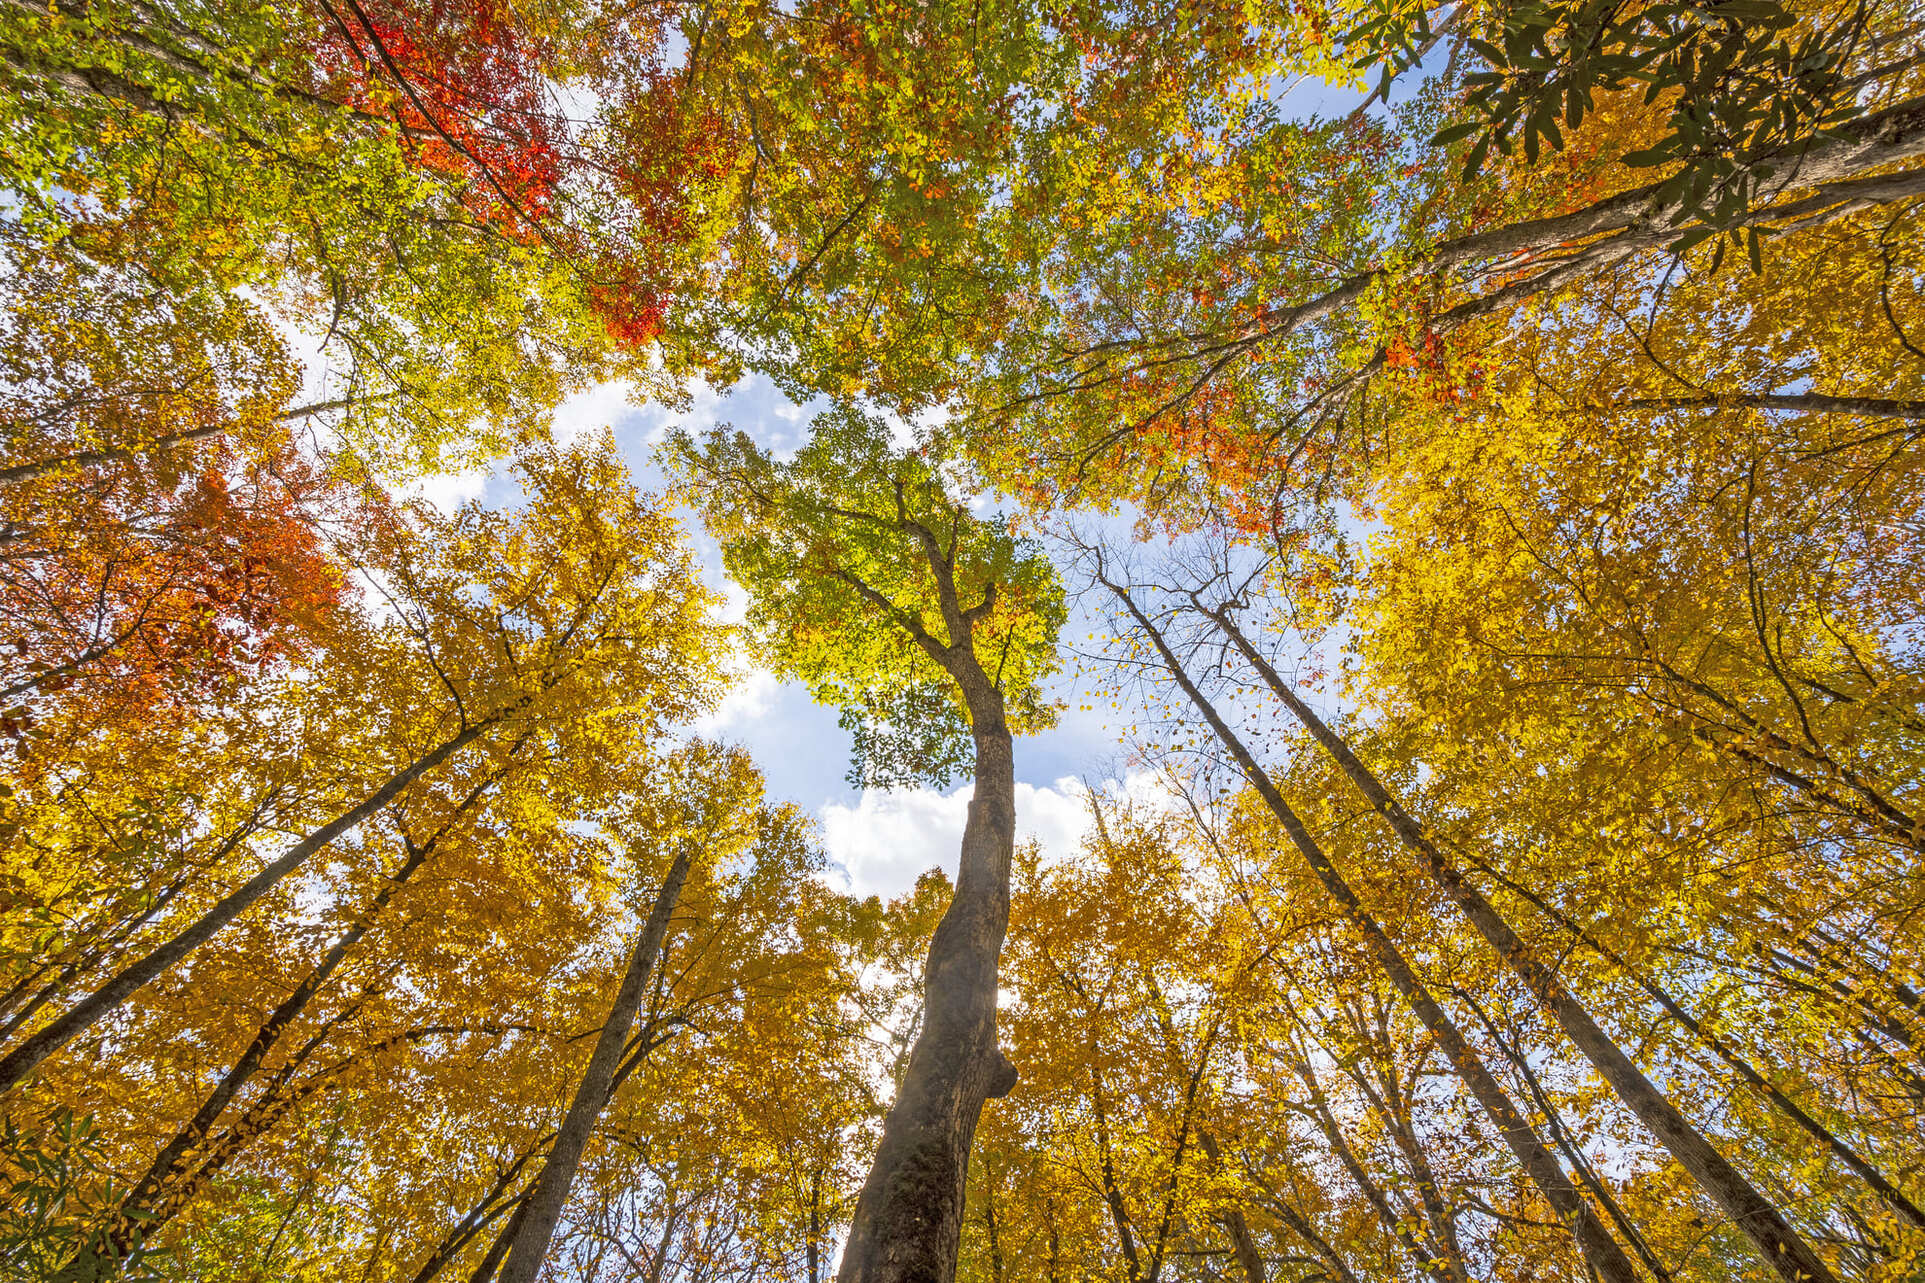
[
  {"x": 908, "y": 1219},
  {"x": 1601, "y": 1252},
  {"x": 22, "y": 1060},
  {"x": 1782, "y": 1247},
  {"x": 536, "y": 1220}
]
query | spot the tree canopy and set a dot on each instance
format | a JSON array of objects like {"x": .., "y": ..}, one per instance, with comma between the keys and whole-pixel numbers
[{"x": 1469, "y": 456}]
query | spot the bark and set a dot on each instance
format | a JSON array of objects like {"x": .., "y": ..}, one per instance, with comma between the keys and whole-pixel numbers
[
  {"x": 1839, "y": 1148},
  {"x": 490, "y": 1208},
  {"x": 908, "y": 1218},
  {"x": 129, "y": 1223},
  {"x": 1562, "y": 1138},
  {"x": 87, "y": 458},
  {"x": 498, "y": 1201},
  {"x": 1781, "y": 1245},
  {"x": 1393, "y": 1220},
  {"x": 84, "y": 1014},
  {"x": 1559, "y": 249},
  {"x": 1794, "y": 402},
  {"x": 543, "y": 1209},
  {"x": 1600, "y": 1251},
  {"x": 1242, "y": 1243}
]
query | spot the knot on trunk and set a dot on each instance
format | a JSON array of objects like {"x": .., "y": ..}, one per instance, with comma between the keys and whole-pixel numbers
[{"x": 1002, "y": 1075}]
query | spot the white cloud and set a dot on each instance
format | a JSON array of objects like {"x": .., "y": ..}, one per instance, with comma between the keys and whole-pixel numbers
[
  {"x": 888, "y": 839},
  {"x": 604, "y": 405},
  {"x": 752, "y": 696},
  {"x": 447, "y": 491}
]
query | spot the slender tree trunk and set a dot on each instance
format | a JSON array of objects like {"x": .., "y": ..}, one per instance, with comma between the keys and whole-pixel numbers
[
  {"x": 492, "y": 1205},
  {"x": 1393, "y": 1221},
  {"x": 537, "y": 1220},
  {"x": 1112, "y": 1196},
  {"x": 1781, "y": 1245},
  {"x": 84, "y": 1014},
  {"x": 908, "y": 1218},
  {"x": 1838, "y": 1147},
  {"x": 498, "y": 1201},
  {"x": 86, "y": 458},
  {"x": 1600, "y": 1251},
  {"x": 995, "y": 1239},
  {"x": 1566, "y": 1143},
  {"x": 1300, "y": 1226},
  {"x": 1387, "y": 1103},
  {"x": 1249, "y": 1259},
  {"x": 129, "y": 1223}
]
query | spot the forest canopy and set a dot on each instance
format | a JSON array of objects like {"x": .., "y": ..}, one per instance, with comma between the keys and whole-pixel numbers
[{"x": 1437, "y": 491}]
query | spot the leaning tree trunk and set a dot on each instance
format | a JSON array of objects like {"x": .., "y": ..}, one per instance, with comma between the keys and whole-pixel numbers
[
  {"x": 529, "y": 1245},
  {"x": 134, "y": 1219},
  {"x": 89, "y": 1011},
  {"x": 1601, "y": 1252},
  {"x": 908, "y": 1219},
  {"x": 1782, "y": 1246},
  {"x": 1894, "y": 1197}
]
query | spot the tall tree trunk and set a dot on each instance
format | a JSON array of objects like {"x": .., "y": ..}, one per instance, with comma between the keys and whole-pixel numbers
[
  {"x": 1281, "y": 1207},
  {"x": 1601, "y": 1252},
  {"x": 1394, "y": 1221},
  {"x": 908, "y": 1218},
  {"x": 1837, "y": 1146},
  {"x": 1781, "y": 1245},
  {"x": 498, "y": 1201},
  {"x": 1566, "y": 1143},
  {"x": 1242, "y": 1243},
  {"x": 83, "y": 1015},
  {"x": 129, "y": 1223},
  {"x": 532, "y": 1235},
  {"x": 1112, "y": 1196}
]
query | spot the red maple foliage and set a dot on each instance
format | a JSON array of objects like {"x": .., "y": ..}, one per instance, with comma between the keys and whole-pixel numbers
[{"x": 152, "y": 584}]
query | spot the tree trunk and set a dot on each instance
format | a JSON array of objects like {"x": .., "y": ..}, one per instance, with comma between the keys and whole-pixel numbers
[
  {"x": 87, "y": 458},
  {"x": 1838, "y": 1147},
  {"x": 83, "y": 1015},
  {"x": 1300, "y": 1225},
  {"x": 131, "y": 1223},
  {"x": 1782, "y": 1247},
  {"x": 908, "y": 1218},
  {"x": 1393, "y": 1219},
  {"x": 537, "y": 1222},
  {"x": 1601, "y": 1252},
  {"x": 1249, "y": 1259},
  {"x": 1112, "y": 1196}
]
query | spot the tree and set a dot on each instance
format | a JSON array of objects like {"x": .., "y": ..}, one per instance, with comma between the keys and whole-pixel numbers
[
  {"x": 1600, "y": 1251},
  {"x": 579, "y": 608},
  {"x": 695, "y": 822},
  {"x": 871, "y": 581}
]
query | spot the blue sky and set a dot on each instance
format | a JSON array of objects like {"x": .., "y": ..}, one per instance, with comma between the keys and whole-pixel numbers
[{"x": 880, "y": 841}]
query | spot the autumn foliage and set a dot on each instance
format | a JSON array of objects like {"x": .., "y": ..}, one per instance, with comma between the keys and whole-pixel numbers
[{"x": 1468, "y": 456}]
